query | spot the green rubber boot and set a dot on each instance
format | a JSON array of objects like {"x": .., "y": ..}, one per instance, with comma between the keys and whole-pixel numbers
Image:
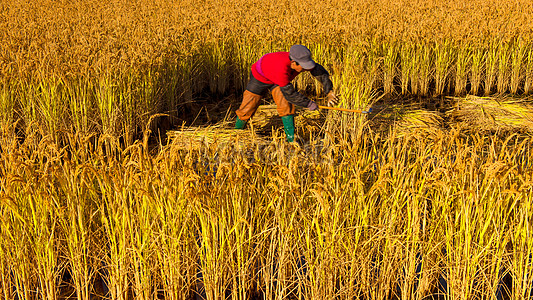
[
  {"x": 288, "y": 126},
  {"x": 239, "y": 124}
]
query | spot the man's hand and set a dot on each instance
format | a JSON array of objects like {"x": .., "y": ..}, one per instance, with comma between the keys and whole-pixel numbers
[
  {"x": 312, "y": 105},
  {"x": 332, "y": 99}
]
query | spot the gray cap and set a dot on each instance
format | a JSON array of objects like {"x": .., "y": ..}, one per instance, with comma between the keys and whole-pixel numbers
[{"x": 302, "y": 56}]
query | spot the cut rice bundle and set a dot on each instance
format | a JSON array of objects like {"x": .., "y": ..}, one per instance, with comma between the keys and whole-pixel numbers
[
  {"x": 196, "y": 137},
  {"x": 419, "y": 122},
  {"x": 493, "y": 115}
]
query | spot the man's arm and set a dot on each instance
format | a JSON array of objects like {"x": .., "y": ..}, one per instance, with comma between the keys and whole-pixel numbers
[
  {"x": 293, "y": 96},
  {"x": 320, "y": 73}
]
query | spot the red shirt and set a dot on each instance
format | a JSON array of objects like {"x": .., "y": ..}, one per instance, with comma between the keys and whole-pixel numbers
[{"x": 274, "y": 68}]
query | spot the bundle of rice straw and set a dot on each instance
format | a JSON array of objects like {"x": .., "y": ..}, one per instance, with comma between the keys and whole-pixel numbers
[
  {"x": 405, "y": 119},
  {"x": 488, "y": 114},
  {"x": 419, "y": 122},
  {"x": 193, "y": 138},
  {"x": 266, "y": 118}
]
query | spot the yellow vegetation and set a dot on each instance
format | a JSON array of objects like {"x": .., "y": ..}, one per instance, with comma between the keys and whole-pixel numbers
[
  {"x": 106, "y": 66},
  {"x": 355, "y": 213}
]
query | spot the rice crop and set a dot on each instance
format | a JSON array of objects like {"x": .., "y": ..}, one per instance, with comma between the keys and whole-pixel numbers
[
  {"x": 378, "y": 215},
  {"x": 106, "y": 66},
  {"x": 491, "y": 114},
  {"x": 426, "y": 197}
]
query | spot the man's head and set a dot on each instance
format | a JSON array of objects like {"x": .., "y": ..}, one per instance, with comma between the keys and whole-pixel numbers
[{"x": 301, "y": 58}]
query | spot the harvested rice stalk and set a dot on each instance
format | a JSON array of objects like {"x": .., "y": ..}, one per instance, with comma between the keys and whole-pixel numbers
[
  {"x": 407, "y": 119},
  {"x": 266, "y": 118},
  {"x": 194, "y": 138},
  {"x": 492, "y": 114},
  {"x": 419, "y": 122}
]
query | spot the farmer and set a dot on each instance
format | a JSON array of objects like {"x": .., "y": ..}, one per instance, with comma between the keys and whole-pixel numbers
[{"x": 274, "y": 72}]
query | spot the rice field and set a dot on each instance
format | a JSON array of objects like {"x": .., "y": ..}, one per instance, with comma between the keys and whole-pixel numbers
[{"x": 121, "y": 178}]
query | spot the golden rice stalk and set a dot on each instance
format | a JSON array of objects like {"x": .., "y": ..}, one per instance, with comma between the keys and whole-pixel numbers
[
  {"x": 264, "y": 120},
  {"x": 194, "y": 138},
  {"x": 267, "y": 117},
  {"x": 492, "y": 114},
  {"x": 407, "y": 120},
  {"x": 419, "y": 122}
]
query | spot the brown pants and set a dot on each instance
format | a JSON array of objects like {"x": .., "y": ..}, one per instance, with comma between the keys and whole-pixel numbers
[{"x": 250, "y": 102}]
